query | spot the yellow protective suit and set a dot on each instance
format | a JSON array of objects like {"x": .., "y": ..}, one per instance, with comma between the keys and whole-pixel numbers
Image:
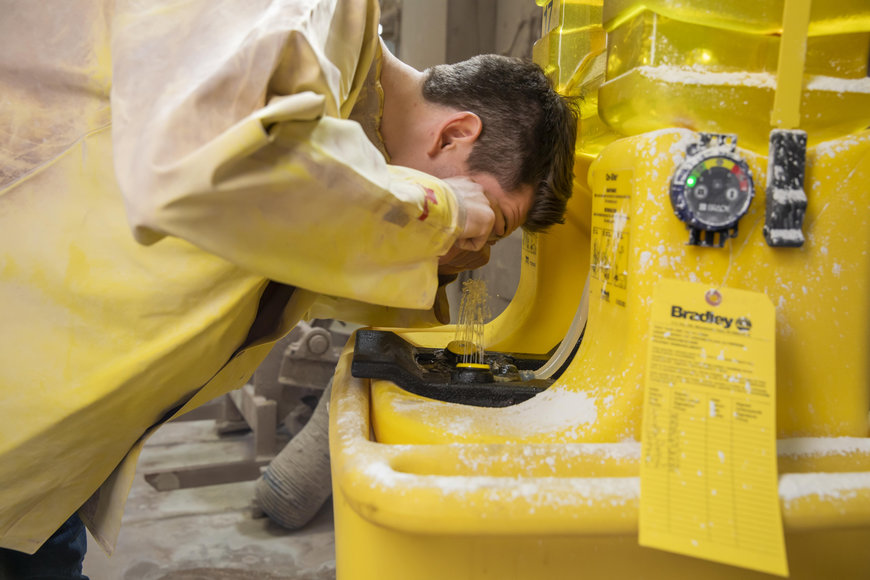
[{"x": 217, "y": 133}]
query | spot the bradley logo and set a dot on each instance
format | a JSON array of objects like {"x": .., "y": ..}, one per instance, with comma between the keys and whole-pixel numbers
[{"x": 742, "y": 323}]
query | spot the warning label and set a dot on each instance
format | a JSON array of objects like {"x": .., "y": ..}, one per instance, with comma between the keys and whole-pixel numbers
[{"x": 611, "y": 234}]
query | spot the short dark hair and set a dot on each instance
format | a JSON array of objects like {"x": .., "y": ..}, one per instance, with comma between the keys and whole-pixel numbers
[{"x": 529, "y": 130}]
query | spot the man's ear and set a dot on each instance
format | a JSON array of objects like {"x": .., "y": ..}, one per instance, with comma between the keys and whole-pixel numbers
[{"x": 459, "y": 129}]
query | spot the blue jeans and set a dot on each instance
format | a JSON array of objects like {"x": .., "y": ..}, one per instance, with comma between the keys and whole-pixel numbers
[{"x": 59, "y": 558}]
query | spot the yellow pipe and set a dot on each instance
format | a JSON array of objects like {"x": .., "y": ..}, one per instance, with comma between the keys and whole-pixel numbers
[{"x": 786, "y": 113}]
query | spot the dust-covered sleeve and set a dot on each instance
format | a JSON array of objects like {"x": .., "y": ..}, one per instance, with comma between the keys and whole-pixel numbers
[{"x": 230, "y": 132}]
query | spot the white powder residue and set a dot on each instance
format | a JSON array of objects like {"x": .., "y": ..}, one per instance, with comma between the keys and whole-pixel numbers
[
  {"x": 838, "y": 146},
  {"x": 785, "y": 196},
  {"x": 627, "y": 488},
  {"x": 782, "y": 235},
  {"x": 551, "y": 410},
  {"x": 536, "y": 454},
  {"x": 837, "y": 85},
  {"x": 701, "y": 76},
  {"x": 536, "y": 491},
  {"x": 799, "y": 446},
  {"x": 620, "y": 219},
  {"x": 678, "y": 149},
  {"x": 793, "y": 486},
  {"x": 460, "y": 425},
  {"x": 627, "y": 449},
  {"x": 645, "y": 257},
  {"x": 555, "y": 409},
  {"x": 382, "y": 474}
]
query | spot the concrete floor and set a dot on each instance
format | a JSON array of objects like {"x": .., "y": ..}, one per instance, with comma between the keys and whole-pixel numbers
[{"x": 207, "y": 533}]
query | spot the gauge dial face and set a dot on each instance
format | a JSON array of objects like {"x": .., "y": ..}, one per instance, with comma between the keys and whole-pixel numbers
[{"x": 712, "y": 193}]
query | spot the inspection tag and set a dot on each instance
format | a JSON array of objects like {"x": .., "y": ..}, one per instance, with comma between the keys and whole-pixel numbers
[{"x": 708, "y": 473}]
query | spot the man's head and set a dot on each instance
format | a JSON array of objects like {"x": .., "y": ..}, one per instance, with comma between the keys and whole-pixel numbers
[{"x": 527, "y": 135}]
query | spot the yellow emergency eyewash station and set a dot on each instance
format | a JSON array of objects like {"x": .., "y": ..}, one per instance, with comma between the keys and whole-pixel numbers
[{"x": 680, "y": 386}]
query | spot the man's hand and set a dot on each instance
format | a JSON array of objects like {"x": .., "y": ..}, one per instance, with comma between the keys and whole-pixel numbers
[
  {"x": 458, "y": 260},
  {"x": 479, "y": 215}
]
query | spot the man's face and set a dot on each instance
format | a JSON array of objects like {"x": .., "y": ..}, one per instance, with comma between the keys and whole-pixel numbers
[{"x": 510, "y": 207}]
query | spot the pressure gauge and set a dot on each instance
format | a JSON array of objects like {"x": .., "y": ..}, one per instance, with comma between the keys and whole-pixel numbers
[{"x": 712, "y": 189}]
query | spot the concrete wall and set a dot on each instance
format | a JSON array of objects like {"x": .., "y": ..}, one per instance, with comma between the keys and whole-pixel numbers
[
  {"x": 517, "y": 27},
  {"x": 438, "y": 31},
  {"x": 423, "y": 36}
]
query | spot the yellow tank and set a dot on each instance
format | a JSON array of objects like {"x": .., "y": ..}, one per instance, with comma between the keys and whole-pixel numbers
[
  {"x": 712, "y": 66},
  {"x": 549, "y": 487}
]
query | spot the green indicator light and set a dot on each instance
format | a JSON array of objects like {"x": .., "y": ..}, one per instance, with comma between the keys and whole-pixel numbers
[{"x": 691, "y": 181}]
